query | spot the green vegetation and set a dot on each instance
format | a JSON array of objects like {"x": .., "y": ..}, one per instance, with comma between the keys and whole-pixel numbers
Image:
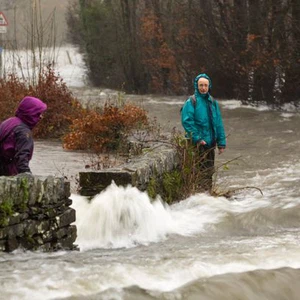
[
  {"x": 189, "y": 177},
  {"x": 172, "y": 186},
  {"x": 168, "y": 186},
  {"x": 6, "y": 211},
  {"x": 24, "y": 187},
  {"x": 153, "y": 188}
]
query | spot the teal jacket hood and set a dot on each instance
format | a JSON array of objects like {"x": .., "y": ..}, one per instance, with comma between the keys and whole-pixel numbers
[
  {"x": 202, "y": 75},
  {"x": 203, "y": 120}
]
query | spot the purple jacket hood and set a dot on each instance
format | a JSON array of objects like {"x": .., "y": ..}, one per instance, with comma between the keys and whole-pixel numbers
[
  {"x": 16, "y": 159},
  {"x": 30, "y": 110}
]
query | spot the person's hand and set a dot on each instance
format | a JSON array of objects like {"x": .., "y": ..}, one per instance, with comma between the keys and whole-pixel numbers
[
  {"x": 221, "y": 150},
  {"x": 200, "y": 143}
]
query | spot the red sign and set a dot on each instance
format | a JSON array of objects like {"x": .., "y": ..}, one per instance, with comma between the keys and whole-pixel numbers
[{"x": 3, "y": 20}]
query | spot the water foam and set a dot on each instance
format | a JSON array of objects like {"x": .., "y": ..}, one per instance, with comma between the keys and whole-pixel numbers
[
  {"x": 120, "y": 217},
  {"x": 125, "y": 217}
]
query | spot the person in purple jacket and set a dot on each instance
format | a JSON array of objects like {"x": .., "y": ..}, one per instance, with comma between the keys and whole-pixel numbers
[{"x": 16, "y": 142}]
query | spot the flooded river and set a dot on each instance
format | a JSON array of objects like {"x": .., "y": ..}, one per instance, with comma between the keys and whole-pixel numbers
[{"x": 199, "y": 248}]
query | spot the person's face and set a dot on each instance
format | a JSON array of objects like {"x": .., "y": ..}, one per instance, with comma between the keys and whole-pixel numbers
[{"x": 203, "y": 85}]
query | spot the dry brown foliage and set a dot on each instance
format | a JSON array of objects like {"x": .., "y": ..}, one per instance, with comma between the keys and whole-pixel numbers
[
  {"x": 105, "y": 130},
  {"x": 62, "y": 106}
]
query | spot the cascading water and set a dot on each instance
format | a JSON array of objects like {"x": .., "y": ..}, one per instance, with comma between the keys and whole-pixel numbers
[{"x": 120, "y": 217}]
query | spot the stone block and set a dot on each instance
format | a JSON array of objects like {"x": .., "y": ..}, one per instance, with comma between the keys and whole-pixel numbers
[
  {"x": 4, "y": 232},
  {"x": 65, "y": 219},
  {"x": 92, "y": 183},
  {"x": 12, "y": 244},
  {"x": 15, "y": 230},
  {"x": 32, "y": 227},
  {"x": 67, "y": 243},
  {"x": 3, "y": 245}
]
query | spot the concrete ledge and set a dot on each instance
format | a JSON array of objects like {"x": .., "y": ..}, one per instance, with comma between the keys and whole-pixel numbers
[{"x": 138, "y": 171}]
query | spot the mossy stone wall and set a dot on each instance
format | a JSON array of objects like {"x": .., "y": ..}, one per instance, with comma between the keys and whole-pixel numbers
[{"x": 35, "y": 214}]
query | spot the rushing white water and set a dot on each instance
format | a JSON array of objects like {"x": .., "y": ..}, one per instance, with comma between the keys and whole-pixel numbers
[
  {"x": 125, "y": 217},
  {"x": 120, "y": 217}
]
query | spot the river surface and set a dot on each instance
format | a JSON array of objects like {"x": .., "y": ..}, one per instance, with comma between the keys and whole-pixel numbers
[{"x": 203, "y": 247}]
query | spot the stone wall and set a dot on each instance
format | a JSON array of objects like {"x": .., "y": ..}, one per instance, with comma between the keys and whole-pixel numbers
[
  {"x": 35, "y": 214},
  {"x": 138, "y": 171}
]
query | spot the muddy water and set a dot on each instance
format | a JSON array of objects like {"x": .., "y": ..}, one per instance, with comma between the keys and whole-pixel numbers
[{"x": 200, "y": 248}]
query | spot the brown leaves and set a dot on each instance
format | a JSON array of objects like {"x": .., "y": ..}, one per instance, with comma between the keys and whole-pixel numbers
[
  {"x": 159, "y": 58},
  {"x": 62, "y": 106},
  {"x": 103, "y": 131}
]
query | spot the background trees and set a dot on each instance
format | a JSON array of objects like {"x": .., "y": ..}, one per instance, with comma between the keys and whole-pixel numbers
[{"x": 251, "y": 48}]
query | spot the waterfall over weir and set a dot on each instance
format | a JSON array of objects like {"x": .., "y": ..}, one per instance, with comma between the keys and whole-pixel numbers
[{"x": 120, "y": 217}]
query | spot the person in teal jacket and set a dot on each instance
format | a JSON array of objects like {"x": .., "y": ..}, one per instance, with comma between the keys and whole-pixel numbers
[{"x": 202, "y": 121}]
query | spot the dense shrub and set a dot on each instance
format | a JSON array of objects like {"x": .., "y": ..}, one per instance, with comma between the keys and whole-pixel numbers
[
  {"x": 81, "y": 129},
  {"x": 12, "y": 91},
  {"x": 106, "y": 130},
  {"x": 62, "y": 106}
]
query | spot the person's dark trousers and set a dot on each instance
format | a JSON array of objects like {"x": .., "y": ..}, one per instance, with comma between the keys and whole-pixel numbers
[
  {"x": 3, "y": 169},
  {"x": 207, "y": 163}
]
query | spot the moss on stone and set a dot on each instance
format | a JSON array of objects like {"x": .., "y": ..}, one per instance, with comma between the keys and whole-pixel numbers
[
  {"x": 24, "y": 187},
  {"x": 6, "y": 211},
  {"x": 30, "y": 240},
  {"x": 172, "y": 186},
  {"x": 152, "y": 188}
]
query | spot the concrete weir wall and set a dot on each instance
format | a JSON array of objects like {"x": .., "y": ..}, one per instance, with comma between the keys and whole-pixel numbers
[
  {"x": 35, "y": 214},
  {"x": 138, "y": 171}
]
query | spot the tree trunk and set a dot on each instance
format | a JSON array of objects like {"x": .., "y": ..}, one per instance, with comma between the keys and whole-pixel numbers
[
  {"x": 291, "y": 90},
  {"x": 240, "y": 17},
  {"x": 262, "y": 76}
]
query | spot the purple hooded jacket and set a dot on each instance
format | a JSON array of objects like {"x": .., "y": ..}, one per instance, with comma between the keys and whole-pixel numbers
[{"x": 16, "y": 142}]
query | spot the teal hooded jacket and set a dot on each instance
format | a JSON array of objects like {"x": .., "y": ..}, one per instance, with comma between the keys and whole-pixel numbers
[{"x": 203, "y": 121}]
